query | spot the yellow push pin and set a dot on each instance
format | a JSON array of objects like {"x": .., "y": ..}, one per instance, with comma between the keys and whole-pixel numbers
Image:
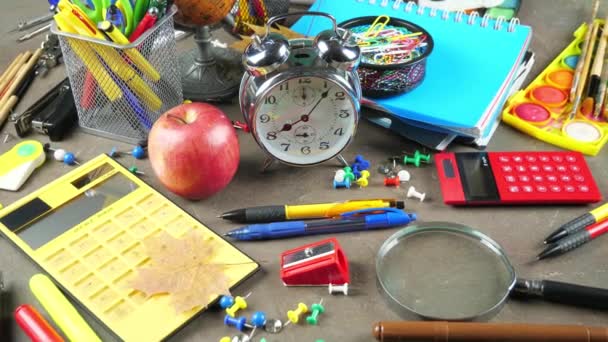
[
  {"x": 225, "y": 339},
  {"x": 239, "y": 303},
  {"x": 362, "y": 181},
  {"x": 294, "y": 315}
]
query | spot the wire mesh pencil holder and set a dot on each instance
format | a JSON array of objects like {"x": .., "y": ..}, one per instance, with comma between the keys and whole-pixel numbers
[{"x": 121, "y": 90}]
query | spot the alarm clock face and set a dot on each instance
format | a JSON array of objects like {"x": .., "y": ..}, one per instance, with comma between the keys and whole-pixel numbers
[{"x": 305, "y": 120}]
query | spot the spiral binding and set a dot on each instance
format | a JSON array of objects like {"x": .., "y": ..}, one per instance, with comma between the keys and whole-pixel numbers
[{"x": 445, "y": 15}]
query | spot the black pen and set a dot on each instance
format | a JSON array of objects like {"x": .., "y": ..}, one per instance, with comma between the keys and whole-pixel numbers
[{"x": 564, "y": 293}]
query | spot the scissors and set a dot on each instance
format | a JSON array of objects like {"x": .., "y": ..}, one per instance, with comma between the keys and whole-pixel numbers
[
  {"x": 120, "y": 14},
  {"x": 92, "y": 8}
]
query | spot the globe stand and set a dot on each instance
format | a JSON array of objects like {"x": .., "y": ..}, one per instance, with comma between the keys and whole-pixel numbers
[{"x": 210, "y": 73}]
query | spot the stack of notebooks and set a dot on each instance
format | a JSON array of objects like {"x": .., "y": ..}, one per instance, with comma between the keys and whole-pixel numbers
[{"x": 475, "y": 65}]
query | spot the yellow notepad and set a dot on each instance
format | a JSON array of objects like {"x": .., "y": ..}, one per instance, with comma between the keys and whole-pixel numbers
[{"x": 85, "y": 230}]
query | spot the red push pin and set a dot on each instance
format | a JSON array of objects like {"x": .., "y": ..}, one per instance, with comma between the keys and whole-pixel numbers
[{"x": 391, "y": 181}]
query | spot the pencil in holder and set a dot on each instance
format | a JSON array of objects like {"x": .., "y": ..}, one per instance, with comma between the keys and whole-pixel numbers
[
  {"x": 121, "y": 90},
  {"x": 394, "y": 54}
]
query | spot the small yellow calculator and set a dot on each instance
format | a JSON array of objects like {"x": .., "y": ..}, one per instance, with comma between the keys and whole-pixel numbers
[{"x": 85, "y": 230}]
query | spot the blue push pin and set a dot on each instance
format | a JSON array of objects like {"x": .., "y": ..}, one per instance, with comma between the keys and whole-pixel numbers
[
  {"x": 70, "y": 159},
  {"x": 258, "y": 320},
  {"x": 356, "y": 171},
  {"x": 137, "y": 152},
  {"x": 226, "y": 302},
  {"x": 362, "y": 163},
  {"x": 343, "y": 184},
  {"x": 237, "y": 322}
]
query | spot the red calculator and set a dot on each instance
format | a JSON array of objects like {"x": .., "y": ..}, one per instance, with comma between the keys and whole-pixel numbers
[{"x": 480, "y": 178}]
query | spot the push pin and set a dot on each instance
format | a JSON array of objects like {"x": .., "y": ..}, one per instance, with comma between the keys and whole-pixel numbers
[
  {"x": 362, "y": 181},
  {"x": 294, "y": 315},
  {"x": 403, "y": 176},
  {"x": 417, "y": 158},
  {"x": 239, "y": 303},
  {"x": 411, "y": 192},
  {"x": 338, "y": 288},
  {"x": 343, "y": 184},
  {"x": 62, "y": 155},
  {"x": 361, "y": 162},
  {"x": 238, "y": 323},
  {"x": 391, "y": 181},
  {"x": 339, "y": 176},
  {"x": 258, "y": 319},
  {"x": 228, "y": 301},
  {"x": 137, "y": 152},
  {"x": 356, "y": 171},
  {"x": 317, "y": 309},
  {"x": 225, "y": 339},
  {"x": 348, "y": 174},
  {"x": 134, "y": 170}
]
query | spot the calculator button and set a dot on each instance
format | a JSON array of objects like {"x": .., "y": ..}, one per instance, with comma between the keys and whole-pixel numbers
[
  {"x": 514, "y": 188},
  {"x": 541, "y": 188},
  {"x": 534, "y": 168},
  {"x": 569, "y": 188},
  {"x": 579, "y": 178},
  {"x": 548, "y": 168},
  {"x": 575, "y": 168},
  {"x": 556, "y": 188},
  {"x": 510, "y": 179},
  {"x": 557, "y": 159},
  {"x": 561, "y": 168},
  {"x": 583, "y": 188},
  {"x": 518, "y": 159},
  {"x": 571, "y": 159},
  {"x": 507, "y": 168},
  {"x": 527, "y": 188},
  {"x": 521, "y": 168},
  {"x": 503, "y": 159},
  {"x": 531, "y": 159},
  {"x": 538, "y": 178},
  {"x": 524, "y": 178},
  {"x": 543, "y": 158},
  {"x": 565, "y": 178},
  {"x": 551, "y": 178}
]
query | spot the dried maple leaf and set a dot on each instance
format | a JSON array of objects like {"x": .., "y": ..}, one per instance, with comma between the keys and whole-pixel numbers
[
  {"x": 260, "y": 31},
  {"x": 182, "y": 268}
]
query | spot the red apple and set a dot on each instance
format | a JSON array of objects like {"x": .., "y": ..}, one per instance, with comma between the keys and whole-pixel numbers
[{"x": 194, "y": 150}]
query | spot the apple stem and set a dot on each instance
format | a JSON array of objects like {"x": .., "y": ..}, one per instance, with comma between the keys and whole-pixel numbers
[{"x": 177, "y": 118}]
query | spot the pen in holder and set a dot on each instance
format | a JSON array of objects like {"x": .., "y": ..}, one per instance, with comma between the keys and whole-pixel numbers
[{"x": 120, "y": 90}]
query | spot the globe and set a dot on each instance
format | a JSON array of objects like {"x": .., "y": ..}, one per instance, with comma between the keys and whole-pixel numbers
[{"x": 202, "y": 12}]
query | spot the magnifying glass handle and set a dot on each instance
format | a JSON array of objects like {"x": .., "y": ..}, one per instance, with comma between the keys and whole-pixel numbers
[
  {"x": 564, "y": 293},
  {"x": 405, "y": 331}
]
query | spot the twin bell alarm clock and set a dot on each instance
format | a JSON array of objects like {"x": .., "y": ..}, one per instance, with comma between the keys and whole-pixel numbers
[{"x": 301, "y": 97}]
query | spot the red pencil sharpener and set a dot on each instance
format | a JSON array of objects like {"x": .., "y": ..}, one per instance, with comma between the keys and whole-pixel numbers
[{"x": 317, "y": 264}]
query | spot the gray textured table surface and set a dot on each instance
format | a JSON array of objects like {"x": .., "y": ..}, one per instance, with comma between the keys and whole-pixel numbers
[{"x": 518, "y": 229}]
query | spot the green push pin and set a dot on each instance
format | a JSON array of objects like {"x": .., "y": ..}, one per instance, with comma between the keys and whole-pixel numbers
[
  {"x": 316, "y": 309},
  {"x": 319, "y": 340},
  {"x": 348, "y": 174},
  {"x": 417, "y": 158},
  {"x": 134, "y": 170}
]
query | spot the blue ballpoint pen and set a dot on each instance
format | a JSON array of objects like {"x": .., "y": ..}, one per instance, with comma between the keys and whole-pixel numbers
[{"x": 365, "y": 219}]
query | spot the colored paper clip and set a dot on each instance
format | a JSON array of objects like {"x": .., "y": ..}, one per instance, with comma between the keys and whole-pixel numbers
[
  {"x": 140, "y": 61},
  {"x": 377, "y": 26}
]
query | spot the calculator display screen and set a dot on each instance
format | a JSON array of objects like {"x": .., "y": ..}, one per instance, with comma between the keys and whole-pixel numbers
[
  {"x": 477, "y": 177},
  {"x": 53, "y": 223}
]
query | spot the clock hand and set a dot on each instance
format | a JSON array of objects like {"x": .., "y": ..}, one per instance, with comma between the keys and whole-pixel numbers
[{"x": 304, "y": 117}]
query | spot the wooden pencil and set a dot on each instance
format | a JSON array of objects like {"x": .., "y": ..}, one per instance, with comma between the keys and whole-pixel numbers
[
  {"x": 596, "y": 68},
  {"x": 23, "y": 71},
  {"x": 10, "y": 68},
  {"x": 11, "y": 74},
  {"x": 603, "y": 78},
  {"x": 584, "y": 72},
  {"x": 6, "y": 109},
  {"x": 581, "y": 58}
]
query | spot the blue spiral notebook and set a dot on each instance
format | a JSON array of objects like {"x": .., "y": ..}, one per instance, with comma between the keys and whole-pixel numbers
[{"x": 468, "y": 74}]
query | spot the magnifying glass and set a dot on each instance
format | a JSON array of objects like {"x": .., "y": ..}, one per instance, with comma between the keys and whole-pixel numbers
[{"x": 451, "y": 272}]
